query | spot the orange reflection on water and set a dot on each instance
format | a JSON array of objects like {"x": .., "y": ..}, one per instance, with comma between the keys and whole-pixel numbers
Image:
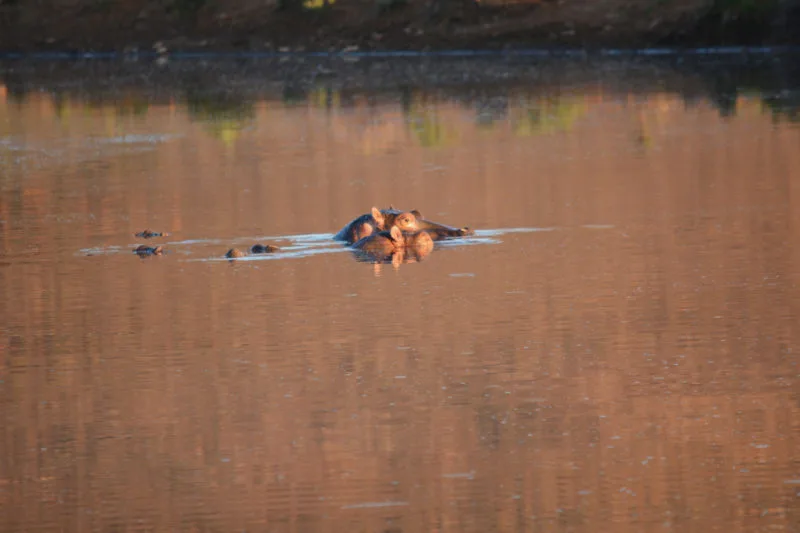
[{"x": 631, "y": 366}]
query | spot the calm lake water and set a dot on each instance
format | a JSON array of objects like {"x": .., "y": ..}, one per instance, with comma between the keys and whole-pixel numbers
[{"x": 617, "y": 349}]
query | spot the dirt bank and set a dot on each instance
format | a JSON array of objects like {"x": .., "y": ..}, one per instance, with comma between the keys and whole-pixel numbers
[{"x": 105, "y": 25}]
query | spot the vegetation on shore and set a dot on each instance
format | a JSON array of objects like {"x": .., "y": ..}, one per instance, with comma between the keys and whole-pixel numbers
[{"x": 27, "y": 25}]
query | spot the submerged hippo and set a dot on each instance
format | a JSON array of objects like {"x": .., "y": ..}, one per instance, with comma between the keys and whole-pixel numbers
[
  {"x": 394, "y": 245},
  {"x": 143, "y": 250},
  {"x": 147, "y": 234},
  {"x": 263, "y": 249},
  {"x": 377, "y": 220},
  {"x": 235, "y": 253}
]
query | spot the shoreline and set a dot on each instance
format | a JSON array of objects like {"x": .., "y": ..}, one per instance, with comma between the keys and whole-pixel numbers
[
  {"x": 532, "y": 52},
  {"x": 290, "y": 77},
  {"x": 141, "y": 26}
]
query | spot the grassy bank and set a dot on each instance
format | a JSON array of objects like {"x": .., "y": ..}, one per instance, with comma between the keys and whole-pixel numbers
[{"x": 36, "y": 25}]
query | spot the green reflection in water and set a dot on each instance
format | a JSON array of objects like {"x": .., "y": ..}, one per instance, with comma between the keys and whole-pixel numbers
[
  {"x": 317, "y": 4},
  {"x": 430, "y": 131},
  {"x": 113, "y": 110},
  {"x": 293, "y": 95},
  {"x": 132, "y": 107},
  {"x": 783, "y": 107},
  {"x": 485, "y": 121},
  {"x": 223, "y": 117},
  {"x": 325, "y": 98},
  {"x": 548, "y": 115}
]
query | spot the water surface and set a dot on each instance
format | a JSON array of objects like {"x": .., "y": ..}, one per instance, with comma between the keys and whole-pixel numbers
[{"x": 615, "y": 350}]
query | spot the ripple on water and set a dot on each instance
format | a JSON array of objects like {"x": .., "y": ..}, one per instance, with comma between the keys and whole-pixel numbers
[
  {"x": 503, "y": 384},
  {"x": 307, "y": 244}
]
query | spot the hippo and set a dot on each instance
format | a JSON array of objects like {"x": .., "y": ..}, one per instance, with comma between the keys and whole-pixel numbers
[
  {"x": 147, "y": 234},
  {"x": 143, "y": 251},
  {"x": 263, "y": 249},
  {"x": 235, "y": 253},
  {"x": 394, "y": 246},
  {"x": 376, "y": 220},
  {"x": 408, "y": 221}
]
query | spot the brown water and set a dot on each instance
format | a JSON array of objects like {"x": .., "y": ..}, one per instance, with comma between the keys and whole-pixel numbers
[{"x": 616, "y": 350}]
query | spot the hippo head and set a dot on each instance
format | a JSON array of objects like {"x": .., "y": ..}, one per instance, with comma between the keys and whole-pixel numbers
[
  {"x": 420, "y": 241},
  {"x": 405, "y": 222},
  {"x": 386, "y": 220},
  {"x": 410, "y": 247},
  {"x": 417, "y": 246},
  {"x": 397, "y": 238},
  {"x": 382, "y": 243}
]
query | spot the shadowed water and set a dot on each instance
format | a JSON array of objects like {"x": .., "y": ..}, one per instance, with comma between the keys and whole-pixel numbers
[{"x": 616, "y": 349}]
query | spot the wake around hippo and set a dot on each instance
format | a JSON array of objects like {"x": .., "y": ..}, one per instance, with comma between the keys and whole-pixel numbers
[
  {"x": 408, "y": 221},
  {"x": 380, "y": 236}
]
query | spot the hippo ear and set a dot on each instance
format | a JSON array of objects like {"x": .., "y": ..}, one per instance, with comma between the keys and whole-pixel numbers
[
  {"x": 365, "y": 230},
  {"x": 396, "y": 234},
  {"x": 378, "y": 216},
  {"x": 416, "y": 213}
]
